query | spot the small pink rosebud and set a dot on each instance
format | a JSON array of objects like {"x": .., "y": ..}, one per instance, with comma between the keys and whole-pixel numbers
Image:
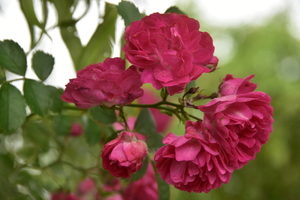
[
  {"x": 124, "y": 155},
  {"x": 76, "y": 130}
]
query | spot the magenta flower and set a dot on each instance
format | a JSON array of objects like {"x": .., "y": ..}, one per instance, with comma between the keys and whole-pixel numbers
[
  {"x": 241, "y": 121},
  {"x": 169, "y": 49},
  {"x": 106, "y": 83},
  {"x": 124, "y": 155},
  {"x": 194, "y": 161},
  {"x": 144, "y": 188},
  {"x": 232, "y": 85},
  {"x": 76, "y": 130}
]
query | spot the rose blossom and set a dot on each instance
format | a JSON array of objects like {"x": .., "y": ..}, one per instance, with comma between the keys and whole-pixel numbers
[
  {"x": 106, "y": 83},
  {"x": 124, "y": 155},
  {"x": 144, "y": 188},
  {"x": 169, "y": 49},
  {"x": 192, "y": 162},
  {"x": 241, "y": 120}
]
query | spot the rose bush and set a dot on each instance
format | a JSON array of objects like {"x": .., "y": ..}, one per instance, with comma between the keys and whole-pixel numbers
[
  {"x": 241, "y": 120},
  {"x": 124, "y": 155},
  {"x": 106, "y": 83},
  {"x": 169, "y": 49},
  {"x": 194, "y": 161}
]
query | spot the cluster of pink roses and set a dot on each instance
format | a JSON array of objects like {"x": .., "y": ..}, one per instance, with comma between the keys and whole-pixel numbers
[{"x": 168, "y": 50}]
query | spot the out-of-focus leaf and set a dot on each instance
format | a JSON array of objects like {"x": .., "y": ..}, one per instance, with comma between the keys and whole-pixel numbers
[
  {"x": 99, "y": 46},
  {"x": 129, "y": 12},
  {"x": 42, "y": 64},
  {"x": 145, "y": 123},
  {"x": 2, "y": 75},
  {"x": 38, "y": 134},
  {"x": 12, "y": 108},
  {"x": 37, "y": 96},
  {"x": 9, "y": 190},
  {"x": 154, "y": 142},
  {"x": 56, "y": 103},
  {"x": 103, "y": 115},
  {"x": 62, "y": 124},
  {"x": 92, "y": 132},
  {"x": 29, "y": 12},
  {"x": 174, "y": 9},
  {"x": 12, "y": 57},
  {"x": 140, "y": 173},
  {"x": 7, "y": 164},
  {"x": 68, "y": 29}
]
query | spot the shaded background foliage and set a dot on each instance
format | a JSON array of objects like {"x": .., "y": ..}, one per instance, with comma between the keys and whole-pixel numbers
[{"x": 267, "y": 50}]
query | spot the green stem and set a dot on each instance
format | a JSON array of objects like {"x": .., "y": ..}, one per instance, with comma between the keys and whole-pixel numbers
[{"x": 17, "y": 79}]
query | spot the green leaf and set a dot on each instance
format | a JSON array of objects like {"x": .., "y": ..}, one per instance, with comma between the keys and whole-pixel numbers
[
  {"x": 56, "y": 104},
  {"x": 68, "y": 30},
  {"x": 38, "y": 134},
  {"x": 12, "y": 108},
  {"x": 99, "y": 48},
  {"x": 42, "y": 64},
  {"x": 92, "y": 132},
  {"x": 103, "y": 115},
  {"x": 139, "y": 174},
  {"x": 129, "y": 12},
  {"x": 37, "y": 96},
  {"x": 174, "y": 9},
  {"x": 62, "y": 124},
  {"x": 163, "y": 188},
  {"x": 154, "y": 142},
  {"x": 145, "y": 123},
  {"x": 2, "y": 75},
  {"x": 12, "y": 57}
]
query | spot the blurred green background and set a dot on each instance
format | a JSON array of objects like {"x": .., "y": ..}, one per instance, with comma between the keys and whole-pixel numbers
[{"x": 270, "y": 51}]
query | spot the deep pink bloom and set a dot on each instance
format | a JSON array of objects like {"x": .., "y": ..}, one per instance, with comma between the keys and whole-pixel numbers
[
  {"x": 162, "y": 120},
  {"x": 194, "y": 161},
  {"x": 169, "y": 49},
  {"x": 241, "y": 122},
  {"x": 106, "y": 83},
  {"x": 232, "y": 85},
  {"x": 64, "y": 196},
  {"x": 124, "y": 155},
  {"x": 86, "y": 186},
  {"x": 76, "y": 130},
  {"x": 144, "y": 188}
]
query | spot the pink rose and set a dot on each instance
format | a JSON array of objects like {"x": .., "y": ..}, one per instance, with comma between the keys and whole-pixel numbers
[
  {"x": 144, "y": 188},
  {"x": 162, "y": 120},
  {"x": 241, "y": 122},
  {"x": 106, "y": 83},
  {"x": 169, "y": 49},
  {"x": 76, "y": 130},
  {"x": 192, "y": 162},
  {"x": 232, "y": 85},
  {"x": 124, "y": 155}
]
